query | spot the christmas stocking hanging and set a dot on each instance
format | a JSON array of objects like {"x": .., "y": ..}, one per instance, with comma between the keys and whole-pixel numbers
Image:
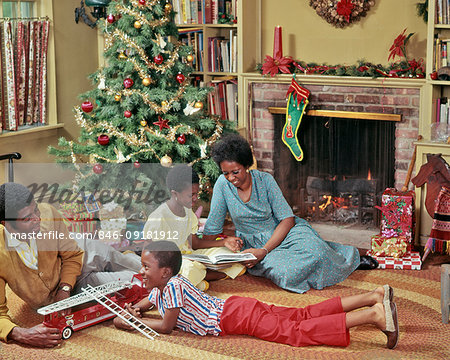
[{"x": 297, "y": 99}]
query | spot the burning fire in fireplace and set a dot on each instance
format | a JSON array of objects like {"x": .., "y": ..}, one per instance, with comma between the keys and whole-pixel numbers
[{"x": 344, "y": 201}]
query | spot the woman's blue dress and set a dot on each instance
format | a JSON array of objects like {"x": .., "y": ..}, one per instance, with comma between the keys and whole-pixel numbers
[{"x": 303, "y": 260}]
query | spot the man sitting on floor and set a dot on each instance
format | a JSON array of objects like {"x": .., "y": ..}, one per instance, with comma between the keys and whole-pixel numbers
[{"x": 41, "y": 264}]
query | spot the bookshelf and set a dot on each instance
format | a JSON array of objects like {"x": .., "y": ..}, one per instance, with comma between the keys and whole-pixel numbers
[
  {"x": 240, "y": 41},
  {"x": 434, "y": 89},
  {"x": 437, "y": 116}
]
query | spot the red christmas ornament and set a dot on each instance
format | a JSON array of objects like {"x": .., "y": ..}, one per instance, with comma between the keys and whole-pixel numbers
[
  {"x": 162, "y": 123},
  {"x": 127, "y": 113},
  {"x": 137, "y": 164},
  {"x": 158, "y": 59},
  {"x": 97, "y": 168},
  {"x": 142, "y": 2},
  {"x": 181, "y": 139},
  {"x": 87, "y": 106},
  {"x": 180, "y": 78},
  {"x": 128, "y": 83},
  {"x": 110, "y": 18},
  {"x": 103, "y": 139}
]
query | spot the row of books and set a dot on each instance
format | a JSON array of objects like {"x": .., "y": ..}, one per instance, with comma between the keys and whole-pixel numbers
[
  {"x": 442, "y": 108},
  {"x": 222, "y": 101},
  {"x": 442, "y": 12},
  {"x": 440, "y": 52},
  {"x": 222, "y": 53},
  {"x": 193, "y": 37},
  {"x": 203, "y": 11}
]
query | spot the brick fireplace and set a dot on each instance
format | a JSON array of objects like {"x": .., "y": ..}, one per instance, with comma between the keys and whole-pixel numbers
[{"x": 273, "y": 156}]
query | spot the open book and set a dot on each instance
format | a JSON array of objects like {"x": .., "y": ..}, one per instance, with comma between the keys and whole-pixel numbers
[{"x": 216, "y": 261}]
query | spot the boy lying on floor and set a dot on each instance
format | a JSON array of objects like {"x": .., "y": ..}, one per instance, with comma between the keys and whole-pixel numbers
[{"x": 183, "y": 306}]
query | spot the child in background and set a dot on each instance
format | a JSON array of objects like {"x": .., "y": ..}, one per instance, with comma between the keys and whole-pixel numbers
[
  {"x": 183, "y": 306},
  {"x": 175, "y": 221}
]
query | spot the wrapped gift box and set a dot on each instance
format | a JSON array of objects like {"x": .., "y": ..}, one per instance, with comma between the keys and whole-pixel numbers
[
  {"x": 113, "y": 224},
  {"x": 111, "y": 210},
  {"x": 411, "y": 261},
  {"x": 77, "y": 218},
  {"x": 397, "y": 217},
  {"x": 395, "y": 247}
]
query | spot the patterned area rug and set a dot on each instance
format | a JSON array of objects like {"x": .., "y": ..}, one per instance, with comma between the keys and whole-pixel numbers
[{"x": 417, "y": 293}]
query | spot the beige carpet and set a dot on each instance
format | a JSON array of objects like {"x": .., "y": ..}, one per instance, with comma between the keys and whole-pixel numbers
[{"x": 417, "y": 293}]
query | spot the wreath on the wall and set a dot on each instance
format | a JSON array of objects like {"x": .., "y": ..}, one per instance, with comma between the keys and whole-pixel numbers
[{"x": 341, "y": 13}]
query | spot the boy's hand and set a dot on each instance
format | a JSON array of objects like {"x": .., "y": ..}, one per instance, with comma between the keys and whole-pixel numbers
[
  {"x": 120, "y": 324},
  {"x": 135, "y": 311},
  {"x": 233, "y": 243}
]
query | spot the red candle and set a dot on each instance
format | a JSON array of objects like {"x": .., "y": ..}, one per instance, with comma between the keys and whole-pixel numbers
[{"x": 277, "y": 44}]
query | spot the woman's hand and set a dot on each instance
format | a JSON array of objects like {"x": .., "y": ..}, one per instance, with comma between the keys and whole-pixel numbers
[
  {"x": 259, "y": 254},
  {"x": 233, "y": 243}
]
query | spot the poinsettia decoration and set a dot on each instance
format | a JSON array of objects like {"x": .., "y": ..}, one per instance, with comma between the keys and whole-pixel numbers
[
  {"x": 274, "y": 65},
  {"x": 398, "y": 48},
  {"x": 344, "y": 8}
]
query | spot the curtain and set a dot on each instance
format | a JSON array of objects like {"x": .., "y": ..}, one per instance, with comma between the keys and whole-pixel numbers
[{"x": 23, "y": 62}]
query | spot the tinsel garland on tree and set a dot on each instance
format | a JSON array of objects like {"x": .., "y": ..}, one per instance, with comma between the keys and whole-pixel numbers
[{"x": 142, "y": 108}]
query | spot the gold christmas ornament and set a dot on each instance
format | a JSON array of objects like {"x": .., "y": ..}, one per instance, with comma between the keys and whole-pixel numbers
[
  {"x": 122, "y": 56},
  {"x": 146, "y": 81},
  {"x": 164, "y": 104},
  {"x": 143, "y": 123},
  {"x": 117, "y": 97},
  {"x": 190, "y": 58},
  {"x": 198, "y": 105},
  {"x": 166, "y": 161},
  {"x": 137, "y": 24},
  {"x": 168, "y": 7}
]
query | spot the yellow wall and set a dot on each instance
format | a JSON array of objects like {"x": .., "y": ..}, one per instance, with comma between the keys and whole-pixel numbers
[
  {"x": 76, "y": 57},
  {"x": 305, "y": 37},
  {"x": 308, "y": 37}
]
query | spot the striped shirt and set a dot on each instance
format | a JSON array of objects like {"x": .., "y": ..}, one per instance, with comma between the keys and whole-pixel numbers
[{"x": 199, "y": 312}]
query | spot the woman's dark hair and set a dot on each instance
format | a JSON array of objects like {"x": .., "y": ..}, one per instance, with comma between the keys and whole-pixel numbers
[
  {"x": 13, "y": 198},
  {"x": 180, "y": 177},
  {"x": 166, "y": 253},
  {"x": 233, "y": 148}
]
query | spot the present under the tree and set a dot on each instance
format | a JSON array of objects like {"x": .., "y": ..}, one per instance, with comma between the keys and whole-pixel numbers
[
  {"x": 397, "y": 214},
  {"x": 111, "y": 210},
  {"x": 77, "y": 218},
  {"x": 411, "y": 261},
  {"x": 395, "y": 247}
]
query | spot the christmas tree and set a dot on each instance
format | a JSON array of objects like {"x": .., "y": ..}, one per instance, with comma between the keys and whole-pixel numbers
[{"x": 143, "y": 108}]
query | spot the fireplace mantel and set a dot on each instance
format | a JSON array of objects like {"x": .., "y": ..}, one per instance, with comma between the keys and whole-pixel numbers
[
  {"x": 246, "y": 97},
  {"x": 343, "y": 114}
]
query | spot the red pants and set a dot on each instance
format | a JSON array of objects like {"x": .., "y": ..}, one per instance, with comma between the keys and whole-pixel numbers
[{"x": 318, "y": 324}]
